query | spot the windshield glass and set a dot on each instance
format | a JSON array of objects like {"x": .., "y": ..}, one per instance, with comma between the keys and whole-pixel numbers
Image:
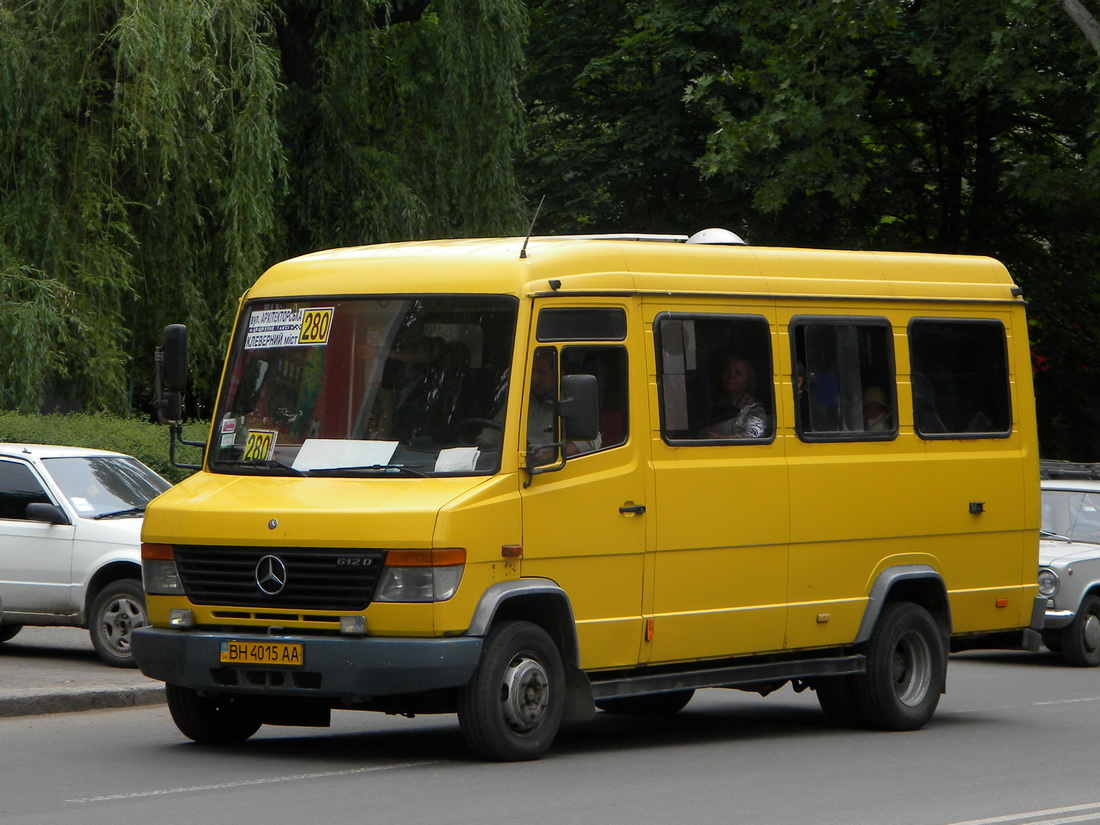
[
  {"x": 388, "y": 386},
  {"x": 1072, "y": 514},
  {"x": 101, "y": 486}
]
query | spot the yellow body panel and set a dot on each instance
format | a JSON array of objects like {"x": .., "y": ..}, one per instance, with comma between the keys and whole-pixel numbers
[{"x": 742, "y": 548}]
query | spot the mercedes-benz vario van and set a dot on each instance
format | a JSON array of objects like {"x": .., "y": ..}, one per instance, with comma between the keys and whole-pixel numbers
[{"x": 521, "y": 479}]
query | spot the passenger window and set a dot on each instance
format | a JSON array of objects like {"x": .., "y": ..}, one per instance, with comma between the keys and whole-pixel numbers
[
  {"x": 959, "y": 378},
  {"x": 715, "y": 378},
  {"x": 844, "y": 379},
  {"x": 18, "y": 488}
]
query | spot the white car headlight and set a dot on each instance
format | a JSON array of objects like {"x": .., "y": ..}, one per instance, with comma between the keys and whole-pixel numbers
[
  {"x": 158, "y": 571},
  {"x": 420, "y": 575},
  {"x": 1048, "y": 583}
]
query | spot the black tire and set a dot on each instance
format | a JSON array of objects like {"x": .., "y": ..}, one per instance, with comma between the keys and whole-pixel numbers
[
  {"x": 512, "y": 708},
  {"x": 1081, "y": 638},
  {"x": 116, "y": 610},
  {"x": 654, "y": 704},
  {"x": 906, "y": 669},
  {"x": 837, "y": 697},
  {"x": 9, "y": 631},
  {"x": 216, "y": 720},
  {"x": 1053, "y": 640}
]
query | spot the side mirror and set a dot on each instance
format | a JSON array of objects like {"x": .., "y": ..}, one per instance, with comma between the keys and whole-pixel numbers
[
  {"x": 51, "y": 513},
  {"x": 173, "y": 346},
  {"x": 171, "y": 382},
  {"x": 171, "y": 372},
  {"x": 579, "y": 407}
]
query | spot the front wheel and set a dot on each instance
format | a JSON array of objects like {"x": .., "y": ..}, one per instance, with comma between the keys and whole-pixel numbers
[
  {"x": 512, "y": 707},
  {"x": 906, "y": 669},
  {"x": 117, "y": 609},
  {"x": 1080, "y": 640},
  {"x": 217, "y": 720}
]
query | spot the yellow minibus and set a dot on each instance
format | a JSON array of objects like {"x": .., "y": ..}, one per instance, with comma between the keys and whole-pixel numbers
[{"x": 521, "y": 479}]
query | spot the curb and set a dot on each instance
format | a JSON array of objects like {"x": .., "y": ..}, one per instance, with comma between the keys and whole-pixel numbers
[{"x": 37, "y": 701}]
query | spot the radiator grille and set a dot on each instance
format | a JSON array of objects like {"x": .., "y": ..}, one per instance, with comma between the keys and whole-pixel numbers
[{"x": 312, "y": 578}]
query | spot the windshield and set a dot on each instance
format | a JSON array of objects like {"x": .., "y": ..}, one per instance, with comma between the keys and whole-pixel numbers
[
  {"x": 1072, "y": 514},
  {"x": 106, "y": 486},
  {"x": 401, "y": 387}
]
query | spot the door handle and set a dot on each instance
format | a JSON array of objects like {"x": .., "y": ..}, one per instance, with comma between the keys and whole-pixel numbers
[{"x": 632, "y": 509}]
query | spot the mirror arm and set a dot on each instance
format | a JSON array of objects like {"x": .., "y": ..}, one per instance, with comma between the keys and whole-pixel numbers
[
  {"x": 539, "y": 470},
  {"x": 175, "y": 436}
]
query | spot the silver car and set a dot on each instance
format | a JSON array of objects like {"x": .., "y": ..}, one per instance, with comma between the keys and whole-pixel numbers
[
  {"x": 70, "y": 542},
  {"x": 1069, "y": 560}
]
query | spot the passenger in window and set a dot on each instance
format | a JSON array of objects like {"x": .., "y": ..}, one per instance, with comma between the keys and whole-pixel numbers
[
  {"x": 734, "y": 411},
  {"x": 876, "y": 410}
]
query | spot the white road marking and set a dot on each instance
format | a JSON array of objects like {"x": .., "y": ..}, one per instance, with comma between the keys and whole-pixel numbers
[{"x": 245, "y": 783}]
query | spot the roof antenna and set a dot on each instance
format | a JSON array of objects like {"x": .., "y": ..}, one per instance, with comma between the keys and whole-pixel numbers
[{"x": 531, "y": 228}]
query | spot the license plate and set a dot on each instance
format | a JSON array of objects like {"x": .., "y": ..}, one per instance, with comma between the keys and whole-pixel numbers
[{"x": 287, "y": 654}]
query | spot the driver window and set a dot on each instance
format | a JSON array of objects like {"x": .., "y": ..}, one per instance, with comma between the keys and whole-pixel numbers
[
  {"x": 18, "y": 488},
  {"x": 608, "y": 365}
]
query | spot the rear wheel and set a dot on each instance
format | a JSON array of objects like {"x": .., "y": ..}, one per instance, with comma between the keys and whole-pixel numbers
[
  {"x": 116, "y": 610},
  {"x": 1081, "y": 638},
  {"x": 9, "y": 631},
  {"x": 211, "y": 719},
  {"x": 654, "y": 704},
  {"x": 512, "y": 707},
  {"x": 906, "y": 669}
]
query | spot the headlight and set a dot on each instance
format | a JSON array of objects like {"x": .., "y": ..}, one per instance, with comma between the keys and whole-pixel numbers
[
  {"x": 1048, "y": 583},
  {"x": 420, "y": 575},
  {"x": 158, "y": 571}
]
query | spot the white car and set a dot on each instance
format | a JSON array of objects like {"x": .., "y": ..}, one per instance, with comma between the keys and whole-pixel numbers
[
  {"x": 1069, "y": 560},
  {"x": 70, "y": 542}
]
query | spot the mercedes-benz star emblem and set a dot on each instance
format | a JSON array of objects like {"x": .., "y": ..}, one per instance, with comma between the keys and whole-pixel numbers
[{"x": 271, "y": 575}]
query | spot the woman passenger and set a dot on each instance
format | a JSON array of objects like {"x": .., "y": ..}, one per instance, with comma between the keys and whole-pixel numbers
[{"x": 734, "y": 412}]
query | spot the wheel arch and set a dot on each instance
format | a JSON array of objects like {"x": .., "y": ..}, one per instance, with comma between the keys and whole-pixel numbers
[
  {"x": 917, "y": 583},
  {"x": 102, "y": 577},
  {"x": 539, "y": 601}
]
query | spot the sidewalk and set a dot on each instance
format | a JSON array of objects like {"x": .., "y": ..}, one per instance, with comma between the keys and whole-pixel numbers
[{"x": 55, "y": 670}]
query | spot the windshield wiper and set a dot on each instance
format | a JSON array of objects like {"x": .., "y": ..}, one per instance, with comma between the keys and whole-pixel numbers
[
  {"x": 1048, "y": 534},
  {"x": 129, "y": 511},
  {"x": 264, "y": 464},
  {"x": 410, "y": 469}
]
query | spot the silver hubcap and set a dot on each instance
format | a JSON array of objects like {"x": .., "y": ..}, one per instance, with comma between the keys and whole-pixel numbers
[
  {"x": 1091, "y": 635},
  {"x": 912, "y": 669},
  {"x": 118, "y": 621},
  {"x": 525, "y": 693}
]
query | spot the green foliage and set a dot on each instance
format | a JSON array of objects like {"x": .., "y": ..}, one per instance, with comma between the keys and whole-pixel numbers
[
  {"x": 145, "y": 442},
  {"x": 611, "y": 142},
  {"x": 401, "y": 130}
]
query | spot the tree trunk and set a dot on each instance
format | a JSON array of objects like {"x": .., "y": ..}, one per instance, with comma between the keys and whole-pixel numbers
[{"x": 1084, "y": 20}]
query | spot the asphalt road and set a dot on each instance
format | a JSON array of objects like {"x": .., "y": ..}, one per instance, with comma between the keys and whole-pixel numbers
[{"x": 1014, "y": 743}]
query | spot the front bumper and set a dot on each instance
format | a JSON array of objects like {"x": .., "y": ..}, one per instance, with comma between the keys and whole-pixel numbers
[
  {"x": 332, "y": 666},
  {"x": 1057, "y": 619}
]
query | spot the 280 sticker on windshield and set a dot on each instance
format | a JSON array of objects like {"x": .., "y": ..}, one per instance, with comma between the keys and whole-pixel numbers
[
  {"x": 315, "y": 326},
  {"x": 260, "y": 445}
]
